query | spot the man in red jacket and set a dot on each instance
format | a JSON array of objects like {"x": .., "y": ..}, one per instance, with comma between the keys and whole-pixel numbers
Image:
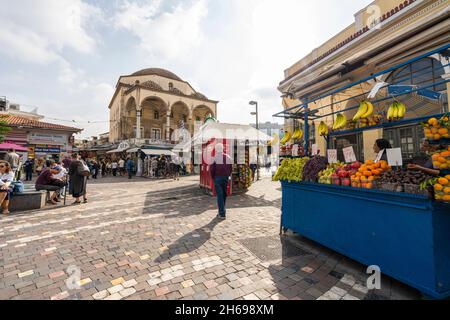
[{"x": 221, "y": 170}]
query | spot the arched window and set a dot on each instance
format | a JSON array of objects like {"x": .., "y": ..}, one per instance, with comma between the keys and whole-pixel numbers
[
  {"x": 170, "y": 86},
  {"x": 197, "y": 119},
  {"x": 421, "y": 73},
  {"x": 156, "y": 115}
]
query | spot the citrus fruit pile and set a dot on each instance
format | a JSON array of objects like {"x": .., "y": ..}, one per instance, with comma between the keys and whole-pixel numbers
[
  {"x": 435, "y": 129},
  {"x": 442, "y": 189},
  {"x": 441, "y": 160},
  {"x": 368, "y": 173}
]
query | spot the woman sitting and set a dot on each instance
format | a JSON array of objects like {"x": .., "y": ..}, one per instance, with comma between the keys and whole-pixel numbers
[
  {"x": 6, "y": 179},
  {"x": 47, "y": 182}
]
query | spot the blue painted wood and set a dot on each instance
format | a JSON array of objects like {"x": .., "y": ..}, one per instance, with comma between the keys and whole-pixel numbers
[{"x": 407, "y": 236}]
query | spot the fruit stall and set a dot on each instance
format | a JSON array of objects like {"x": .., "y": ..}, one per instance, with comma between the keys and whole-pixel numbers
[
  {"x": 239, "y": 141},
  {"x": 396, "y": 217}
]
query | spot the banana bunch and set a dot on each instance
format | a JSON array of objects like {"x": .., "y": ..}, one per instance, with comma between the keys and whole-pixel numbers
[
  {"x": 365, "y": 110},
  {"x": 323, "y": 129},
  {"x": 298, "y": 134},
  {"x": 286, "y": 138},
  {"x": 340, "y": 123},
  {"x": 396, "y": 111}
]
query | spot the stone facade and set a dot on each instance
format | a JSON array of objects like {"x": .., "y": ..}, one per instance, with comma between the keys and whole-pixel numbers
[{"x": 158, "y": 102}]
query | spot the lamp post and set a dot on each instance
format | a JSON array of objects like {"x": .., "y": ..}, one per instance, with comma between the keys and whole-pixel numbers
[{"x": 254, "y": 103}]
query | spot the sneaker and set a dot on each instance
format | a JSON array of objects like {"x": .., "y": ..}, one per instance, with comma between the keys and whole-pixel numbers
[{"x": 221, "y": 217}]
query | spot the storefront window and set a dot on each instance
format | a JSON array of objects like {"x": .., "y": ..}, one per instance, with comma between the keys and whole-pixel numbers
[
  {"x": 156, "y": 134},
  {"x": 345, "y": 141},
  {"x": 407, "y": 138}
]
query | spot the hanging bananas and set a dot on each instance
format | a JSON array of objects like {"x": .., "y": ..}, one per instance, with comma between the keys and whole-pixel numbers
[
  {"x": 365, "y": 110},
  {"x": 340, "y": 123},
  {"x": 298, "y": 134},
  {"x": 286, "y": 138},
  {"x": 323, "y": 129},
  {"x": 396, "y": 111}
]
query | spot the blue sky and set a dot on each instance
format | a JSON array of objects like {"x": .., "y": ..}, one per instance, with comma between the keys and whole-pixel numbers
[{"x": 65, "y": 56}]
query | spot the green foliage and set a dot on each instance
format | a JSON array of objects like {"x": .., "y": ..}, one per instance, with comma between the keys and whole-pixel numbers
[
  {"x": 291, "y": 170},
  {"x": 4, "y": 129}
]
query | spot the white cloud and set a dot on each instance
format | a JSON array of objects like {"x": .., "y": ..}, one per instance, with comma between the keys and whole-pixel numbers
[
  {"x": 37, "y": 31},
  {"x": 168, "y": 34}
]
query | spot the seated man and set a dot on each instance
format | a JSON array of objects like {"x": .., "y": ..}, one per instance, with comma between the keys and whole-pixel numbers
[{"x": 47, "y": 182}]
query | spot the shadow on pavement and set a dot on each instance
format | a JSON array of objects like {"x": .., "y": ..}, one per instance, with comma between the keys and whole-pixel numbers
[{"x": 190, "y": 241}]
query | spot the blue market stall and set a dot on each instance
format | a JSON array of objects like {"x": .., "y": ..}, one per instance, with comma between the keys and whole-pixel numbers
[{"x": 406, "y": 235}]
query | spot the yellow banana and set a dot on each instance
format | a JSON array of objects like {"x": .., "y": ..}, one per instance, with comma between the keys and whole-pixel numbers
[
  {"x": 361, "y": 111},
  {"x": 402, "y": 110},
  {"x": 369, "y": 111}
]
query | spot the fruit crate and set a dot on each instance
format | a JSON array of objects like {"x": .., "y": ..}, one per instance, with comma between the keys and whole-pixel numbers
[
  {"x": 392, "y": 187},
  {"x": 415, "y": 189},
  {"x": 441, "y": 196}
]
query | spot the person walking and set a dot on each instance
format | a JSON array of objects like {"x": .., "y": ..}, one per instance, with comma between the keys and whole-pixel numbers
[
  {"x": 122, "y": 167},
  {"x": 221, "y": 169},
  {"x": 77, "y": 186},
  {"x": 130, "y": 165},
  {"x": 114, "y": 166},
  {"x": 28, "y": 166},
  {"x": 103, "y": 168}
]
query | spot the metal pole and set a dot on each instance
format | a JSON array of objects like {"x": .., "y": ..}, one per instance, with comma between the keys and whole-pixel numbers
[
  {"x": 257, "y": 147},
  {"x": 306, "y": 131}
]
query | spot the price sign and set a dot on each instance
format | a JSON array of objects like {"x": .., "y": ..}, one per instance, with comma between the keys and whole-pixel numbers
[
  {"x": 380, "y": 154},
  {"x": 332, "y": 156},
  {"x": 394, "y": 156},
  {"x": 349, "y": 154},
  {"x": 315, "y": 149},
  {"x": 295, "y": 150}
]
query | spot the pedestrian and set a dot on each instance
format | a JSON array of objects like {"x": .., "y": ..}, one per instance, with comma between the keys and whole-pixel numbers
[
  {"x": 114, "y": 166},
  {"x": 122, "y": 167},
  {"x": 175, "y": 168},
  {"x": 29, "y": 165},
  {"x": 66, "y": 162},
  {"x": 13, "y": 159},
  {"x": 95, "y": 169},
  {"x": 253, "y": 168},
  {"x": 6, "y": 179},
  {"x": 77, "y": 186},
  {"x": 103, "y": 168},
  {"x": 40, "y": 166},
  {"x": 154, "y": 167},
  {"x": 221, "y": 170},
  {"x": 130, "y": 165}
]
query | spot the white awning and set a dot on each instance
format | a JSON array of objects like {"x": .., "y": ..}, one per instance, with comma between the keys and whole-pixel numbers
[
  {"x": 214, "y": 130},
  {"x": 155, "y": 152},
  {"x": 114, "y": 151}
]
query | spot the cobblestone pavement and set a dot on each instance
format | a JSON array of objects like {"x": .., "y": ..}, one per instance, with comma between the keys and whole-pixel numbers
[{"x": 144, "y": 239}]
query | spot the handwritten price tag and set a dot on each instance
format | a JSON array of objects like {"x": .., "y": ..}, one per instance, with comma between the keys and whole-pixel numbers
[
  {"x": 394, "y": 156},
  {"x": 315, "y": 149},
  {"x": 332, "y": 156},
  {"x": 295, "y": 150},
  {"x": 380, "y": 154},
  {"x": 349, "y": 154}
]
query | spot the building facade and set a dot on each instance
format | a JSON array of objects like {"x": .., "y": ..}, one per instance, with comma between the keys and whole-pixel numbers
[
  {"x": 149, "y": 105},
  {"x": 383, "y": 35},
  {"x": 42, "y": 139}
]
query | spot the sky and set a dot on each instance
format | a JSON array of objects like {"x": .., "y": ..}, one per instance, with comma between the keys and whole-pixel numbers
[{"x": 65, "y": 56}]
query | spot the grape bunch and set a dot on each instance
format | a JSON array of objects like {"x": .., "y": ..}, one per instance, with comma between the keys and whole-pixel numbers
[
  {"x": 313, "y": 167},
  {"x": 291, "y": 170}
]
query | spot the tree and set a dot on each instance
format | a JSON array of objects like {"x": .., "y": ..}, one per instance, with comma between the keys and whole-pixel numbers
[{"x": 4, "y": 129}]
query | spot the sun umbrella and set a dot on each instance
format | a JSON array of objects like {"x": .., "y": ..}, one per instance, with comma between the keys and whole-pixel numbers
[{"x": 8, "y": 146}]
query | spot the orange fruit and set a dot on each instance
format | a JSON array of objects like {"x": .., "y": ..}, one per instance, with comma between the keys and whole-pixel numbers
[
  {"x": 371, "y": 178},
  {"x": 447, "y": 190},
  {"x": 445, "y": 154},
  {"x": 447, "y": 177},
  {"x": 432, "y": 121},
  {"x": 435, "y": 157},
  {"x": 427, "y": 131},
  {"x": 443, "y": 181},
  {"x": 368, "y": 173},
  {"x": 369, "y": 185},
  {"x": 446, "y": 197},
  {"x": 437, "y": 136},
  {"x": 438, "y": 187},
  {"x": 434, "y": 130},
  {"x": 442, "y": 160},
  {"x": 436, "y": 164},
  {"x": 369, "y": 162},
  {"x": 384, "y": 166},
  {"x": 443, "y": 131}
]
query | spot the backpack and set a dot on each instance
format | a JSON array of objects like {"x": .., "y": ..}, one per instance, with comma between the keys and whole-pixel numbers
[{"x": 18, "y": 187}]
